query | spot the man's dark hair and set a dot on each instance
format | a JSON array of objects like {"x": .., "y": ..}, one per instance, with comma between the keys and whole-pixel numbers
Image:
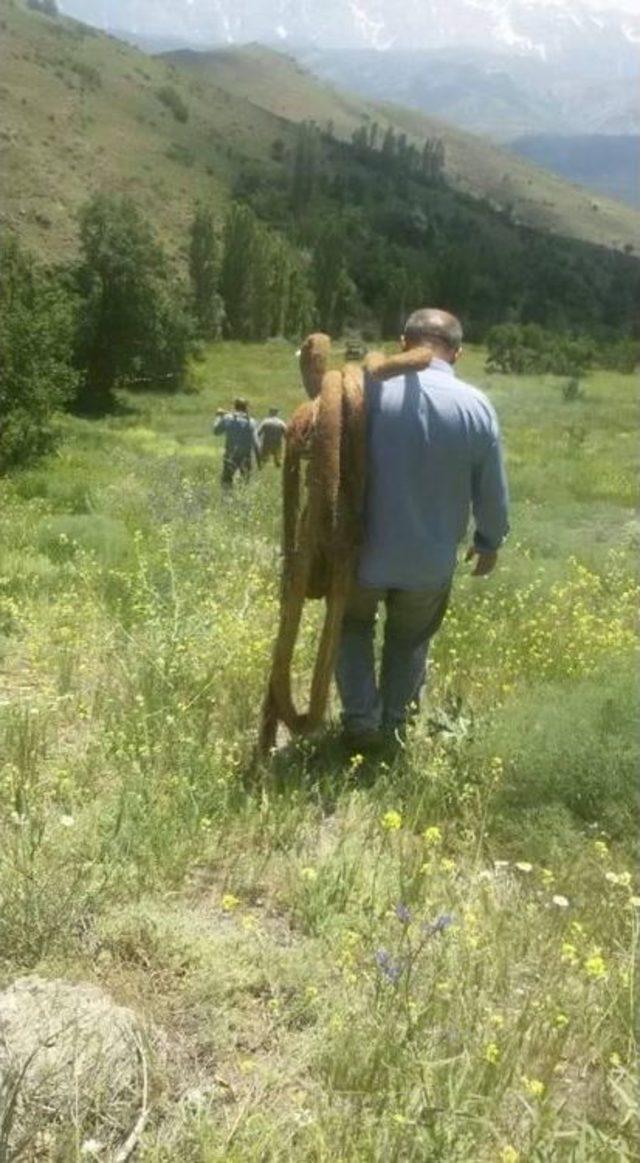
[
  {"x": 240, "y": 404},
  {"x": 273, "y": 411},
  {"x": 430, "y": 324}
]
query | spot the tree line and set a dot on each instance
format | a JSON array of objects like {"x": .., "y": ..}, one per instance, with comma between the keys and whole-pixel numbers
[
  {"x": 338, "y": 236},
  {"x": 400, "y": 235}
]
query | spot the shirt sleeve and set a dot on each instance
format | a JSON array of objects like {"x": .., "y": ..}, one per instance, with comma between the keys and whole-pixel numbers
[
  {"x": 219, "y": 425},
  {"x": 490, "y": 499}
]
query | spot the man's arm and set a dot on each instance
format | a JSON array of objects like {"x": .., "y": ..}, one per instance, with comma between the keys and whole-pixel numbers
[
  {"x": 490, "y": 501},
  {"x": 256, "y": 443},
  {"x": 220, "y": 423}
]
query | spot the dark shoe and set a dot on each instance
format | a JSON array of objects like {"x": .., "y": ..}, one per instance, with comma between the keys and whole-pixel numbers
[{"x": 362, "y": 742}]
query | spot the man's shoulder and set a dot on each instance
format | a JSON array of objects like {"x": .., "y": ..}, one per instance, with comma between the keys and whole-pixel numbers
[{"x": 474, "y": 394}]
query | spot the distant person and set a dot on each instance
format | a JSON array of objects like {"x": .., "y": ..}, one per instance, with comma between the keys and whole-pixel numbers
[
  {"x": 241, "y": 442},
  {"x": 433, "y": 455},
  {"x": 271, "y": 437}
]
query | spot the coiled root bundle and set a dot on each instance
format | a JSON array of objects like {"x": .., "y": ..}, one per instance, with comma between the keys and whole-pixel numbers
[{"x": 322, "y": 519}]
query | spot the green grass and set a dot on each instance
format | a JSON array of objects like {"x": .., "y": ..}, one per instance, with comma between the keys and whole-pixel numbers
[
  {"x": 250, "y": 915},
  {"x": 80, "y": 113}
]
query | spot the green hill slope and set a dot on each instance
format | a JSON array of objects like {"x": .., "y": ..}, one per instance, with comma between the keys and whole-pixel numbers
[
  {"x": 82, "y": 111},
  {"x": 473, "y": 165}
]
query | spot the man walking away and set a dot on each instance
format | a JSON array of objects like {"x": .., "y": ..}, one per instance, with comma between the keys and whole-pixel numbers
[
  {"x": 434, "y": 454},
  {"x": 241, "y": 441},
  {"x": 271, "y": 437}
]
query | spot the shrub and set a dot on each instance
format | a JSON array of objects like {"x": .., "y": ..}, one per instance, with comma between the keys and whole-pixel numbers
[
  {"x": 516, "y": 349},
  {"x": 36, "y": 349},
  {"x": 170, "y": 97}
]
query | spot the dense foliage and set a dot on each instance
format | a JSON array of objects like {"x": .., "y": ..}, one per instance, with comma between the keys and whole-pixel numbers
[
  {"x": 518, "y": 349},
  {"x": 264, "y": 281},
  {"x": 36, "y": 348},
  {"x": 405, "y": 238},
  {"x": 133, "y": 319}
]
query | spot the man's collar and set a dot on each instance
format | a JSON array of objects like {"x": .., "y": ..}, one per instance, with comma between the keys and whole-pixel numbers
[{"x": 441, "y": 365}]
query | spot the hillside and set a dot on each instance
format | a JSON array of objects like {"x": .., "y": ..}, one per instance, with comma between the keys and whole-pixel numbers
[
  {"x": 473, "y": 165},
  {"x": 608, "y": 164},
  {"x": 82, "y": 111}
]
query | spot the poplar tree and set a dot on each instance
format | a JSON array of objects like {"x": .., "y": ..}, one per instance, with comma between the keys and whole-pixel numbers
[{"x": 204, "y": 272}]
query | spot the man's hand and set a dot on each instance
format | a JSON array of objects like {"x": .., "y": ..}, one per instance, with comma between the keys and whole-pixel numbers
[{"x": 486, "y": 560}]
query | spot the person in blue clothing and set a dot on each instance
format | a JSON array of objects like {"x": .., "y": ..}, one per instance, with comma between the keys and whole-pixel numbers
[
  {"x": 241, "y": 442},
  {"x": 434, "y": 456}
]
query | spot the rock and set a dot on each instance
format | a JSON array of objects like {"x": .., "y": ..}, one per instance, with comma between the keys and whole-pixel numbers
[{"x": 71, "y": 1062}]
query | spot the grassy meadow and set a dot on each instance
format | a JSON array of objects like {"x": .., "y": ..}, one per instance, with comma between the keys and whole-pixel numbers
[{"x": 342, "y": 960}]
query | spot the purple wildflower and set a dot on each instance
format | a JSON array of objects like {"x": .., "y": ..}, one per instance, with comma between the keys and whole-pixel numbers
[
  {"x": 386, "y": 966},
  {"x": 430, "y": 928},
  {"x": 403, "y": 913}
]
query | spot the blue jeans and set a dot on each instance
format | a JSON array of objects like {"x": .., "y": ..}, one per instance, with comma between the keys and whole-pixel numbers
[{"x": 413, "y": 617}]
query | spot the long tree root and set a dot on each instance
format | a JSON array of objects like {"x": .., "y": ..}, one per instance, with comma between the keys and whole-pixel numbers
[{"x": 323, "y": 532}]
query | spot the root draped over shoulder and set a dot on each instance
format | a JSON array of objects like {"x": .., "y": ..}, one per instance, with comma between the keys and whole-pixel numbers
[{"x": 323, "y": 485}]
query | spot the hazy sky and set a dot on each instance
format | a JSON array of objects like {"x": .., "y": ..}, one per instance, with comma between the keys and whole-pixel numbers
[{"x": 616, "y": 5}]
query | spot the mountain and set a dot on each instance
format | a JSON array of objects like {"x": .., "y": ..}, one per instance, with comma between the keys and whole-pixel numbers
[
  {"x": 557, "y": 31},
  {"x": 502, "y": 68},
  {"x": 502, "y": 96},
  {"x": 82, "y": 111},
  {"x": 608, "y": 165}
]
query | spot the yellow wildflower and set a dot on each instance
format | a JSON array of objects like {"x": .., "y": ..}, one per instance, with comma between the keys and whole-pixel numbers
[
  {"x": 432, "y": 836},
  {"x": 229, "y": 902},
  {"x": 448, "y": 865},
  {"x": 533, "y": 1086},
  {"x": 595, "y": 965},
  {"x": 561, "y": 1020},
  {"x": 601, "y": 849},
  {"x": 569, "y": 953},
  {"x": 509, "y": 1155},
  {"x": 391, "y": 821},
  {"x": 309, "y": 874},
  {"x": 615, "y": 1060},
  {"x": 492, "y": 1053}
]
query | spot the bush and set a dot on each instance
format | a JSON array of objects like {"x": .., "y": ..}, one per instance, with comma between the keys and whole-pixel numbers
[
  {"x": 36, "y": 349},
  {"x": 518, "y": 349},
  {"x": 170, "y": 97}
]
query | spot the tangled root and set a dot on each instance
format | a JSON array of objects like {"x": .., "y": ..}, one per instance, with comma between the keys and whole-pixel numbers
[{"x": 322, "y": 535}]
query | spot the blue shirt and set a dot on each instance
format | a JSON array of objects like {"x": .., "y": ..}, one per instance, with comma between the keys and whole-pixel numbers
[
  {"x": 434, "y": 454},
  {"x": 240, "y": 433}
]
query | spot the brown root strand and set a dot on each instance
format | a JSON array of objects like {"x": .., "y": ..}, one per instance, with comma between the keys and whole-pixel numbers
[{"x": 322, "y": 535}]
